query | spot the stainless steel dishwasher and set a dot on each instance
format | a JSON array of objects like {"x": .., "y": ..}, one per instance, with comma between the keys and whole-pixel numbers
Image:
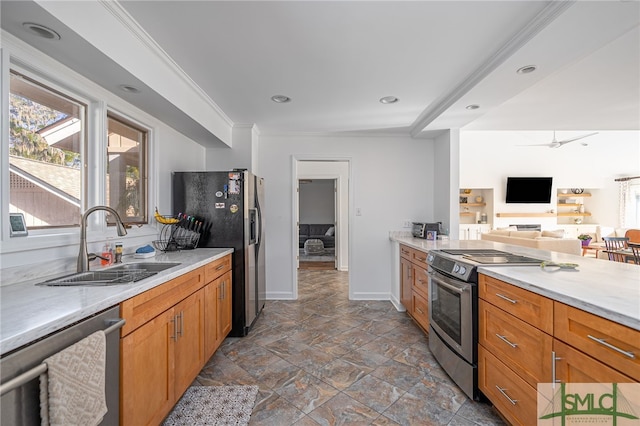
[{"x": 21, "y": 401}]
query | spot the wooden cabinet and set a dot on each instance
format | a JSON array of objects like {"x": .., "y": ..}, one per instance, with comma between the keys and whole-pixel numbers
[
  {"x": 217, "y": 296},
  {"x": 613, "y": 344},
  {"x": 525, "y": 338},
  {"x": 414, "y": 285},
  {"x": 164, "y": 342}
]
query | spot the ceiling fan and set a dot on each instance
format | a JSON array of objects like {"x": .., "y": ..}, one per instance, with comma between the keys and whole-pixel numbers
[{"x": 557, "y": 144}]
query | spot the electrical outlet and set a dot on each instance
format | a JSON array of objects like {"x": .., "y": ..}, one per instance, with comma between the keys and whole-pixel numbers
[
  {"x": 358, "y": 211},
  {"x": 407, "y": 223}
]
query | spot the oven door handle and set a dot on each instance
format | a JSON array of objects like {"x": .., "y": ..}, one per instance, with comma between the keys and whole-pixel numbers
[{"x": 445, "y": 282}]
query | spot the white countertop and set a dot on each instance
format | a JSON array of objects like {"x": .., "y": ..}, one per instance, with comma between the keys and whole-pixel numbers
[
  {"x": 607, "y": 289},
  {"x": 29, "y": 312}
]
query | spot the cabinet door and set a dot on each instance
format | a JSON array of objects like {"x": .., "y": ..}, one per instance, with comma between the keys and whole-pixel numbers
[
  {"x": 420, "y": 310},
  {"x": 573, "y": 366},
  {"x": 224, "y": 307},
  {"x": 189, "y": 347},
  {"x": 513, "y": 397},
  {"x": 523, "y": 347},
  {"x": 147, "y": 366},
  {"x": 406, "y": 282},
  {"x": 211, "y": 341},
  {"x": 421, "y": 281}
]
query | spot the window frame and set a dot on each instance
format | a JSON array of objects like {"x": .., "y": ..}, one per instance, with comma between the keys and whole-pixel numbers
[{"x": 26, "y": 60}]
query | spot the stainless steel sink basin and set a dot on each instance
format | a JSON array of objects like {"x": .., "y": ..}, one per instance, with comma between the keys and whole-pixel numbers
[
  {"x": 122, "y": 274},
  {"x": 144, "y": 266}
]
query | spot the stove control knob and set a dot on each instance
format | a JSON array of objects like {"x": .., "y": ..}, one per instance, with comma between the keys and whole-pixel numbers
[
  {"x": 462, "y": 270},
  {"x": 429, "y": 257},
  {"x": 456, "y": 268}
]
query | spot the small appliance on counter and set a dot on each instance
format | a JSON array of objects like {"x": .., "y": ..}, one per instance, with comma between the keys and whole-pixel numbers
[{"x": 423, "y": 230}]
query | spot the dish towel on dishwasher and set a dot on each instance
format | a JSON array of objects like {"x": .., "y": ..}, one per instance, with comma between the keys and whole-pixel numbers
[{"x": 72, "y": 391}]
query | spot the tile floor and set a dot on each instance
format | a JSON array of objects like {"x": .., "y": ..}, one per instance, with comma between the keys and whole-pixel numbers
[{"x": 326, "y": 360}]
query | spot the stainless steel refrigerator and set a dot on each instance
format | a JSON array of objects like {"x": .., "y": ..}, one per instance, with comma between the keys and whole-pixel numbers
[{"x": 230, "y": 205}]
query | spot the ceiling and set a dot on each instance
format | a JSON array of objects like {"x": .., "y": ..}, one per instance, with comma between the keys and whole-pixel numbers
[{"x": 336, "y": 59}]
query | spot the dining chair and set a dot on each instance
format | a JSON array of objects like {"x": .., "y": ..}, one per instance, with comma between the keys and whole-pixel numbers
[
  {"x": 635, "y": 248},
  {"x": 633, "y": 235},
  {"x": 613, "y": 244}
]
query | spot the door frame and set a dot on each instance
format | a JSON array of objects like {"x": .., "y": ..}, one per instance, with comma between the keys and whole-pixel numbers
[{"x": 340, "y": 234}]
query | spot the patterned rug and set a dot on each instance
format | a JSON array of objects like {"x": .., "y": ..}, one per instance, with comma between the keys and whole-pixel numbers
[{"x": 213, "y": 405}]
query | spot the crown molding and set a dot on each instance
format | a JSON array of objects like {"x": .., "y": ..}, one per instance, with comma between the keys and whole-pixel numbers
[
  {"x": 537, "y": 24},
  {"x": 130, "y": 24}
]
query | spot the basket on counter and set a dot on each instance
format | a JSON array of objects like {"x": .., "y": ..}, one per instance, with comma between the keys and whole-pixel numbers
[{"x": 175, "y": 238}]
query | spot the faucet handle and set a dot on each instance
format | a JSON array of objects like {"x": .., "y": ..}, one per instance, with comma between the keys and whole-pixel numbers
[{"x": 93, "y": 256}]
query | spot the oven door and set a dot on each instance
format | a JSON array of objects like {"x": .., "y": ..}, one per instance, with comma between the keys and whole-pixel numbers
[{"x": 451, "y": 312}]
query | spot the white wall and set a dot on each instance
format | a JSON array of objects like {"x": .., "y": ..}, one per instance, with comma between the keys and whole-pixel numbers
[
  {"x": 317, "y": 201},
  {"x": 391, "y": 180},
  {"x": 488, "y": 157}
]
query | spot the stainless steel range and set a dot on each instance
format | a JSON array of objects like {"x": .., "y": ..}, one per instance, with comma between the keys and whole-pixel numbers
[{"x": 453, "y": 308}]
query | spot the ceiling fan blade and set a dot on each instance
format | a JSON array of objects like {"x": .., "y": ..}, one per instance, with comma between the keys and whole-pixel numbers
[
  {"x": 538, "y": 144},
  {"x": 564, "y": 141}
]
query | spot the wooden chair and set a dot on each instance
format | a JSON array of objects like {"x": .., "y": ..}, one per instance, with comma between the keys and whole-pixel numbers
[
  {"x": 633, "y": 235},
  {"x": 613, "y": 244},
  {"x": 635, "y": 248}
]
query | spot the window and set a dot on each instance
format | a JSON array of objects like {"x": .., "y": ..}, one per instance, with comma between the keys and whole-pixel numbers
[
  {"x": 126, "y": 170},
  {"x": 46, "y": 140},
  {"x": 630, "y": 203}
]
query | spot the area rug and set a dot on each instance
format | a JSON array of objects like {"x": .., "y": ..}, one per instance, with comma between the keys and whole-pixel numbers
[
  {"x": 213, "y": 405},
  {"x": 327, "y": 256}
]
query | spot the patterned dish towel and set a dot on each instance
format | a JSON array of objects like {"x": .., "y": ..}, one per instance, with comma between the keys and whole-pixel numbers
[{"x": 72, "y": 391}]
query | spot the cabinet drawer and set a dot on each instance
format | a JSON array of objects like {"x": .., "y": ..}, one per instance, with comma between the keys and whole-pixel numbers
[
  {"x": 523, "y": 347},
  {"x": 216, "y": 268},
  {"x": 143, "y": 307},
  {"x": 406, "y": 252},
  {"x": 420, "y": 309},
  {"x": 421, "y": 281},
  {"x": 573, "y": 366},
  {"x": 419, "y": 258},
  {"x": 615, "y": 345},
  {"x": 530, "y": 307},
  {"x": 518, "y": 403}
]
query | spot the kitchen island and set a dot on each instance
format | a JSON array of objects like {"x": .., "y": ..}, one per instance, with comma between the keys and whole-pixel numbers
[
  {"x": 536, "y": 326},
  {"x": 29, "y": 312}
]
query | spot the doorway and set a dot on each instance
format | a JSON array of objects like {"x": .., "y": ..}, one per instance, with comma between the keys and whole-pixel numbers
[
  {"x": 318, "y": 224},
  {"x": 313, "y": 179}
]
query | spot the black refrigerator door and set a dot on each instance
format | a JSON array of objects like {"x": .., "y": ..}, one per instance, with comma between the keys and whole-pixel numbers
[{"x": 221, "y": 200}]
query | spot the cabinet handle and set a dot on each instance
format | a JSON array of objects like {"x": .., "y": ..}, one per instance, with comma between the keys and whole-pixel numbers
[
  {"x": 610, "y": 346},
  {"x": 554, "y": 358},
  {"x": 220, "y": 267},
  {"x": 420, "y": 311},
  {"x": 224, "y": 290},
  {"x": 502, "y": 391},
  {"x": 502, "y": 296},
  {"x": 180, "y": 318},
  {"x": 423, "y": 281},
  {"x": 175, "y": 330},
  {"x": 504, "y": 339},
  {"x": 421, "y": 259}
]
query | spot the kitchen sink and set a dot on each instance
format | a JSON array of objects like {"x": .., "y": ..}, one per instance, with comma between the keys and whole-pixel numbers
[{"x": 122, "y": 274}]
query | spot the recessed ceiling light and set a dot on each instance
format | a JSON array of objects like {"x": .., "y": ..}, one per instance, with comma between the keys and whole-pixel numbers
[
  {"x": 129, "y": 89},
  {"x": 280, "y": 99},
  {"x": 472, "y": 106},
  {"x": 41, "y": 31},
  {"x": 527, "y": 69},
  {"x": 389, "y": 100}
]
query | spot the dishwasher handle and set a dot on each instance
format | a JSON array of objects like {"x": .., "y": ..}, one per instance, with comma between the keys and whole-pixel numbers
[{"x": 25, "y": 377}]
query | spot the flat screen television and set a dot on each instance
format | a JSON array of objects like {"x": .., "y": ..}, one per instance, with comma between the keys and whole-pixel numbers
[{"x": 529, "y": 190}]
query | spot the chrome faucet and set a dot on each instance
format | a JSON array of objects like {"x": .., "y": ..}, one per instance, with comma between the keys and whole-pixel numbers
[{"x": 83, "y": 256}]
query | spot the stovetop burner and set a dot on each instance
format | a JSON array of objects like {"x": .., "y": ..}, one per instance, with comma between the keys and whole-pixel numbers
[
  {"x": 475, "y": 252},
  {"x": 508, "y": 259}
]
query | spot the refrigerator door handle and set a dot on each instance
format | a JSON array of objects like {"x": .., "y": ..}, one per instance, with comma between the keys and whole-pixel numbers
[{"x": 259, "y": 230}]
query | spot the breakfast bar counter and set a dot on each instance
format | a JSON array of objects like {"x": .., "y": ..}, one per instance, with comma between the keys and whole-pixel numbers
[{"x": 608, "y": 289}]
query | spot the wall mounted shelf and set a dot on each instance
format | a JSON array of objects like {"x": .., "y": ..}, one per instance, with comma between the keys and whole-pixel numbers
[
  {"x": 525, "y": 214},
  {"x": 571, "y": 195},
  {"x": 574, "y": 214}
]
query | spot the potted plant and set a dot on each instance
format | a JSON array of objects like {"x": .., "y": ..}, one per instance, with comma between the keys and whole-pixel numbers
[{"x": 585, "y": 238}]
